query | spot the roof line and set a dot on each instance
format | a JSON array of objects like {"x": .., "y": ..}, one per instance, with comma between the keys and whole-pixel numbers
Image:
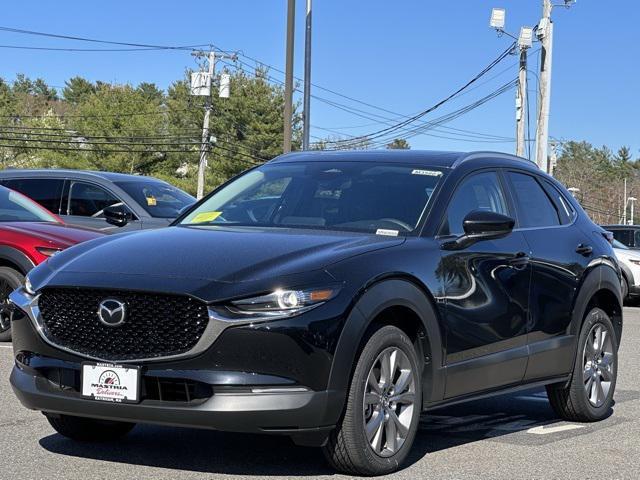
[{"x": 507, "y": 156}]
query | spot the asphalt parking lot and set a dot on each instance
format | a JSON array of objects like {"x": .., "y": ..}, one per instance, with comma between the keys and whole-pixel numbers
[{"x": 508, "y": 437}]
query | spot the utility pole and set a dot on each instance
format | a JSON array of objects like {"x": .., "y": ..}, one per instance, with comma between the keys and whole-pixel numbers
[
  {"x": 521, "y": 105},
  {"x": 288, "y": 81},
  {"x": 204, "y": 146},
  {"x": 524, "y": 42},
  {"x": 545, "y": 34},
  {"x": 307, "y": 80},
  {"x": 553, "y": 155},
  {"x": 624, "y": 214},
  {"x": 201, "y": 86}
]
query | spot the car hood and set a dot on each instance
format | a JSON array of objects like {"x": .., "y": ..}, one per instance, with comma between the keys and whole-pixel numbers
[
  {"x": 186, "y": 259},
  {"x": 55, "y": 234},
  {"x": 626, "y": 255}
]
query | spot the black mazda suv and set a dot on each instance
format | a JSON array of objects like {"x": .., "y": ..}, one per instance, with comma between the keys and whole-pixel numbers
[{"x": 330, "y": 297}]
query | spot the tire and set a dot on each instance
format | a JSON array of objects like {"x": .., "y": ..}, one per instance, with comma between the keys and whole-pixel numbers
[
  {"x": 625, "y": 289},
  {"x": 350, "y": 449},
  {"x": 596, "y": 364},
  {"x": 10, "y": 279},
  {"x": 87, "y": 429}
]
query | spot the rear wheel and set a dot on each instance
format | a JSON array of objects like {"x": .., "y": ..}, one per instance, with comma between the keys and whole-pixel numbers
[
  {"x": 10, "y": 279},
  {"x": 383, "y": 408},
  {"x": 589, "y": 395},
  {"x": 87, "y": 429}
]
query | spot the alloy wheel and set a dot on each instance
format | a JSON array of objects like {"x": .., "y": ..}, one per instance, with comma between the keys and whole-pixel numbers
[
  {"x": 389, "y": 402},
  {"x": 599, "y": 364},
  {"x": 5, "y": 306}
]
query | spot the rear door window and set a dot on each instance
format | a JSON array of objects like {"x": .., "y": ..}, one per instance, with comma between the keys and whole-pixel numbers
[
  {"x": 623, "y": 236},
  {"x": 535, "y": 208},
  {"x": 88, "y": 200},
  {"x": 46, "y": 191}
]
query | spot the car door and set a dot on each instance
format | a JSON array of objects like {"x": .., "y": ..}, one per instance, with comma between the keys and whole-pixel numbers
[
  {"x": 486, "y": 289},
  {"x": 561, "y": 252},
  {"x": 85, "y": 204},
  {"x": 45, "y": 191}
]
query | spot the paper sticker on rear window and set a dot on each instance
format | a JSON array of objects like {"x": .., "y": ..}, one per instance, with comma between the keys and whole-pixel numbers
[
  {"x": 151, "y": 201},
  {"x": 429, "y": 173},
  {"x": 205, "y": 217}
]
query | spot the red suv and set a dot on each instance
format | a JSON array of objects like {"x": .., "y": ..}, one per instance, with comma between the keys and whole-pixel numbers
[{"x": 29, "y": 234}]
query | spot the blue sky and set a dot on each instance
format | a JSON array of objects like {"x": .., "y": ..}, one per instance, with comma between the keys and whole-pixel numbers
[{"x": 403, "y": 56}]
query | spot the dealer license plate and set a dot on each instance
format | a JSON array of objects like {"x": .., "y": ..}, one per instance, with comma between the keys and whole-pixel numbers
[{"x": 110, "y": 383}]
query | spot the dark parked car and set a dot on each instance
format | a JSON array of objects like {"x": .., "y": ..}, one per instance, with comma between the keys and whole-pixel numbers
[
  {"x": 101, "y": 200},
  {"x": 628, "y": 235},
  {"x": 330, "y": 297},
  {"x": 29, "y": 235}
]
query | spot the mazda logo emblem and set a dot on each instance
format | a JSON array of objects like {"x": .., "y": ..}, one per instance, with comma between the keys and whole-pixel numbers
[{"x": 112, "y": 312}]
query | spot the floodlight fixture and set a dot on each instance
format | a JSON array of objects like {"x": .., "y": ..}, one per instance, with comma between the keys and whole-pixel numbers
[
  {"x": 525, "y": 40},
  {"x": 498, "y": 18}
]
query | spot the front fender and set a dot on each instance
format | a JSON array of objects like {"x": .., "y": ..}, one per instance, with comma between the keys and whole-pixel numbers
[
  {"x": 374, "y": 300},
  {"x": 18, "y": 258}
]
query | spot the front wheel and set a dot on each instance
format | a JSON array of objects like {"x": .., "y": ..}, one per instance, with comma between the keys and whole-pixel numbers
[
  {"x": 588, "y": 397},
  {"x": 383, "y": 407},
  {"x": 10, "y": 279}
]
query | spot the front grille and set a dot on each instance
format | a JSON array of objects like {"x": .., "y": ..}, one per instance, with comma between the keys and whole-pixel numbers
[
  {"x": 175, "y": 389},
  {"x": 156, "y": 325}
]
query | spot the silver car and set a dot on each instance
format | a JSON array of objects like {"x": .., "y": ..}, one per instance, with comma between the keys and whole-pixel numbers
[{"x": 630, "y": 264}]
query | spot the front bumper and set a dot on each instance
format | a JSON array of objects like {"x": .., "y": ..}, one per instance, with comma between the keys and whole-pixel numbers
[{"x": 287, "y": 411}]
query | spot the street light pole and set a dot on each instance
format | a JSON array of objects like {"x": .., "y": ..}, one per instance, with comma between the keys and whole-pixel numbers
[
  {"x": 307, "y": 80},
  {"x": 288, "y": 81}
]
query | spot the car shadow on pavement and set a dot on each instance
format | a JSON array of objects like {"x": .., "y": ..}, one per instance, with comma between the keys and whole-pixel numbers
[{"x": 208, "y": 451}]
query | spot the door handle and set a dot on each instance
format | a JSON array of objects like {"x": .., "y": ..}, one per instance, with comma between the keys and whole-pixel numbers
[
  {"x": 584, "y": 250},
  {"x": 520, "y": 260}
]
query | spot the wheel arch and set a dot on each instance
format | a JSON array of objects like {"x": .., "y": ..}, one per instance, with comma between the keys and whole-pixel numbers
[
  {"x": 627, "y": 274},
  {"x": 601, "y": 288},
  {"x": 379, "y": 303},
  {"x": 14, "y": 258}
]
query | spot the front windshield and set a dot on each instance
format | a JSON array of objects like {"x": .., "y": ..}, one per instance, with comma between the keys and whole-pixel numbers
[
  {"x": 159, "y": 199},
  {"x": 17, "y": 208},
  {"x": 349, "y": 196}
]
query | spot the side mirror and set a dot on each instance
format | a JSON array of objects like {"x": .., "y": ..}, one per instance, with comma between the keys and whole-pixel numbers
[
  {"x": 481, "y": 225},
  {"x": 117, "y": 215}
]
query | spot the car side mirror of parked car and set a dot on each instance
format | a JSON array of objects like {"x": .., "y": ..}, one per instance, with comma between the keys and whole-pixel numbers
[
  {"x": 481, "y": 225},
  {"x": 117, "y": 215}
]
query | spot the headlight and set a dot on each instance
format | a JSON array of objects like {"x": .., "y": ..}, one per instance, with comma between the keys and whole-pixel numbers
[
  {"x": 278, "y": 304},
  {"x": 28, "y": 287},
  {"x": 48, "y": 251}
]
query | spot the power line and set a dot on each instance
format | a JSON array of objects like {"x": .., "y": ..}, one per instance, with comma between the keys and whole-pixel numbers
[
  {"x": 106, "y": 115},
  {"x": 97, "y": 50},
  {"x": 378, "y": 119},
  {"x": 379, "y": 133},
  {"x": 94, "y": 40},
  {"x": 459, "y": 112}
]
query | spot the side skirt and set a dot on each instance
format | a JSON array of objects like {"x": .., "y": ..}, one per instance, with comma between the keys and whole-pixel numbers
[{"x": 496, "y": 392}]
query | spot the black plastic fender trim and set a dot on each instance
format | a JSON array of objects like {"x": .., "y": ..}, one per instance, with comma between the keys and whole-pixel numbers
[{"x": 378, "y": 297}]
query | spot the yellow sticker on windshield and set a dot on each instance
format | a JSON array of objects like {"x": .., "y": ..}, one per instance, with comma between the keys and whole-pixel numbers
[
  {"x": 151, "y": 201},
  {"x": 205, "y": 217}
]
